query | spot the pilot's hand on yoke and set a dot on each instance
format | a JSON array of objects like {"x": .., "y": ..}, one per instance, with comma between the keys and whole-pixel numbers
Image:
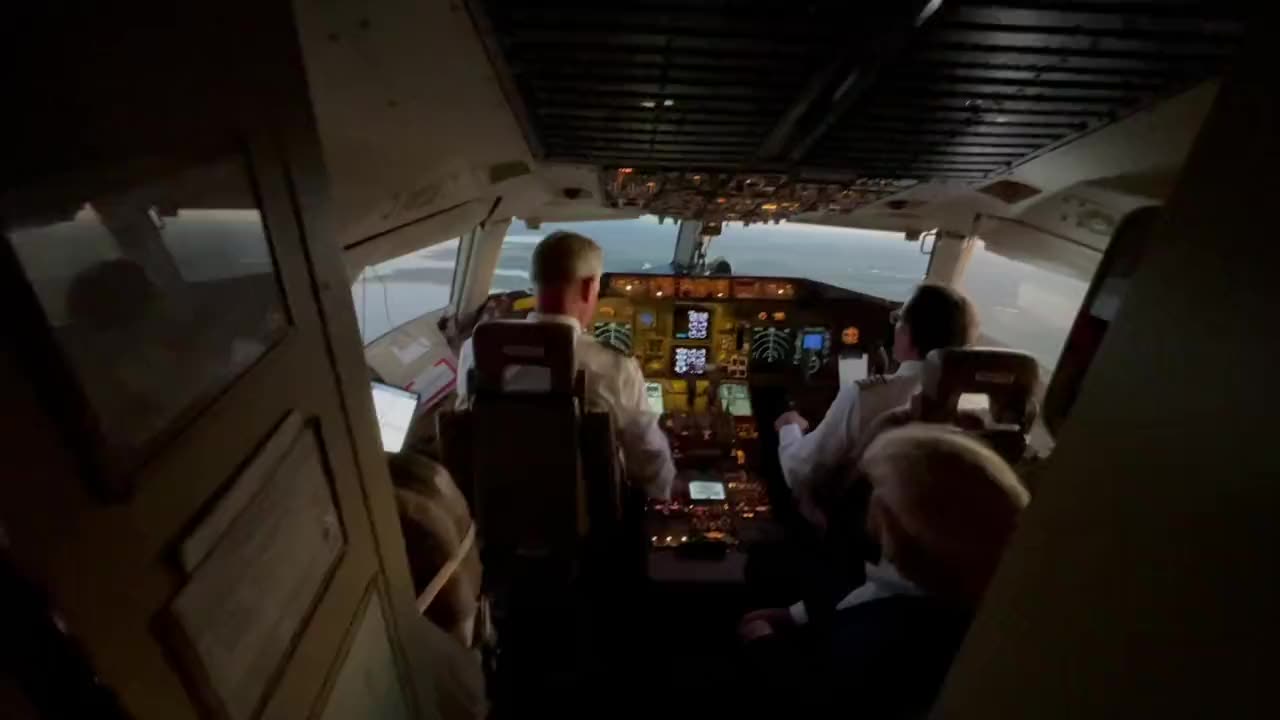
[{"x": 791, "y": 417}]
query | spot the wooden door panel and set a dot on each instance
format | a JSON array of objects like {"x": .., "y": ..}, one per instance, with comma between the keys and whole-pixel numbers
[
  {"x": 257, "y": 567},
  {"x": 226, "y": 81},
  {"x": 367, "y": 682},
  {"x": 137, "y": 576}
]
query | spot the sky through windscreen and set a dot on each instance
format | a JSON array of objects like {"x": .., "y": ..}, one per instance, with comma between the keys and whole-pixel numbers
[
  {"x": 876, "y": 263},
  {"x": 1020, "y": 306}
]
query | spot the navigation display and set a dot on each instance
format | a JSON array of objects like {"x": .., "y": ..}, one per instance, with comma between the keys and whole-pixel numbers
[
  {"x": 689, "y": 361},
  {"x": 691, "y": 322}
]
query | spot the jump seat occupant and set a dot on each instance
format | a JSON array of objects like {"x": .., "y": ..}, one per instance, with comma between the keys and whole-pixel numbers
[
  {"x": 943, "y": 507},
  {"x": 566, "y": 269}
]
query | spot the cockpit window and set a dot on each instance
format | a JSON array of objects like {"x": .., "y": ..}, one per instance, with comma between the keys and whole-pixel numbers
[
  {"x": 1023, "y": 306},
  {"x": 876, "y": 263},
  {"x": 634, "y": 246},
  {"x": 867, "y": 261},
  {"x": 392, "y": 293}
]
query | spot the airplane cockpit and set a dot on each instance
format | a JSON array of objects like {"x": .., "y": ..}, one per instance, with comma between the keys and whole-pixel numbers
[
  {"x": 723, "y": 354},
  {"x": 259, "y": 481},
  {"x": 721, "y": 358}
]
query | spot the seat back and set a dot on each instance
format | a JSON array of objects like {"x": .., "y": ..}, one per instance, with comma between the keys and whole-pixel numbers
[
  {"x": 525, "y": 412},
  {"x": 1006, "y": 378},
  {"x": 540, "y": 471},
  {"x": 516, "y": 357}
]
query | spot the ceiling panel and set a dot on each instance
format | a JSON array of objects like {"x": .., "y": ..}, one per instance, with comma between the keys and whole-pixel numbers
[{"x": 891, "y": 89}]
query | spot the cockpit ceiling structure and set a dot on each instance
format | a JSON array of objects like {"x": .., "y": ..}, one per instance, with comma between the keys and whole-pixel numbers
[{"x": 851, "y": 100}]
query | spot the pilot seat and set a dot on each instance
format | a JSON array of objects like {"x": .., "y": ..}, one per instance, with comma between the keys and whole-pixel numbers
[
  {"x": 1007, "y": 379},
  {"x": 544, "y": 477},
  {"x": 541, "y": 471}
]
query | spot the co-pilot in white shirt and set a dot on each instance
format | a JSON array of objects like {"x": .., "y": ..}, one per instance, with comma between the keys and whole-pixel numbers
[
  {"x": 614, "y": 385},
  {"x": 807, "y": 457}
]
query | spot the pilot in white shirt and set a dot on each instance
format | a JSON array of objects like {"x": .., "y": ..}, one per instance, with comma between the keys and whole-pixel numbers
[
  {"x": 566, "y": 270},
  {"x": 935, "y": 317}
]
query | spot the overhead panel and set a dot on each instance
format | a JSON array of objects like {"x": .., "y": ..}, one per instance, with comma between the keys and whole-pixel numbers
[{"x": 704, "y": 102}]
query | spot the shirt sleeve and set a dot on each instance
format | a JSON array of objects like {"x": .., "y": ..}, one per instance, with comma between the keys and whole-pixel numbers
[
  {"x": 464, "y": 368},
  {"x": 644, "y": 446},
  {"x": 805, "y": 457}
]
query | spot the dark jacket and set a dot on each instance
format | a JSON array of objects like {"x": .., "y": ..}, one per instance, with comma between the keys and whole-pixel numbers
[{"x": 881, "y": 659}]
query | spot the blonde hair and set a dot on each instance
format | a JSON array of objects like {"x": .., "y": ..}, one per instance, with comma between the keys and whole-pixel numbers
[
  {"x": 948, "y": 505},
  {"x": 562, "y": 257}
]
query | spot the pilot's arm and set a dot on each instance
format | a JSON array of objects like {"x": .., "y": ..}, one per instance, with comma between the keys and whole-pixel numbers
[
  {"x": 645, "y": 448},
  {"x": 805, "y": 457}
]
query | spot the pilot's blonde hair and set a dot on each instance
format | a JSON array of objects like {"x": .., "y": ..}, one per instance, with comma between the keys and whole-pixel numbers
[
  {"x": 562, "y": 257},
  {"x": 948, "y": 505}
]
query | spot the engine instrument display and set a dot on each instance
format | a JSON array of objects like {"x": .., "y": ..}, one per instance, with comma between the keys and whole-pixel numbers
[
  {"x": 706, "y": 490},
  {"x": 735, "y": 399},
  {"x": 688, "y": 361},
  {"x": 691, "y": 322}
]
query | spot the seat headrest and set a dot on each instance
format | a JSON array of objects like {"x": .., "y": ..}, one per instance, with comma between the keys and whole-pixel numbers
[
  {"x": 545, "y": 350},
  {"x": 1007, "y": 378}
]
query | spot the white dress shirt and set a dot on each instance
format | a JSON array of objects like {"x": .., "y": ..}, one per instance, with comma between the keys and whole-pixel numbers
[
  {"x": 883, "y": 581},
  {"x": 614, "y": 385},
  {"x": 806, "y": 457}
]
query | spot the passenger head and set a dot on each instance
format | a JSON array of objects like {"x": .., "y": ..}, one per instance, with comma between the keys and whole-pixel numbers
[
  {"x": 935, "y": 317},
  {"x": 943, "y": 506},
  {"x": 566, "y": 275}
]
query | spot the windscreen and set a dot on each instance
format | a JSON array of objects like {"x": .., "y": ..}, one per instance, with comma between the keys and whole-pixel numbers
[{"x": 869, "y": 261}]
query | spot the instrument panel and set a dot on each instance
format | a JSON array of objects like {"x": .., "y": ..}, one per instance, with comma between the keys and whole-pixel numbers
[
  {"x": 709, "y": 348},
  {"x": 692, "y": 333},
  {"x": 706, "y": 345}
]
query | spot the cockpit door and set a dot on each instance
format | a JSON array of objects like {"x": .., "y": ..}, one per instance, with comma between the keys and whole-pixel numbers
[{"x": 193, "y": 476}]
